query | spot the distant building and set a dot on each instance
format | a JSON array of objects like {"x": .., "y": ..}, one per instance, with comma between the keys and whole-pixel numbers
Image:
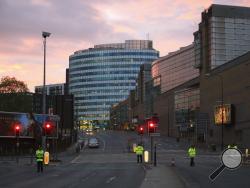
[
  {"x": 224, "y": 34},
  {"x": 51, "y": 89},
  {"x": 103, "y": 76}
]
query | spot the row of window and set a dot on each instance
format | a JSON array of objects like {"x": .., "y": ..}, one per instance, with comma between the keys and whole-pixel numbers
[
  {"x": 108, "y": 61},
  {"x": 102, "y": 79},
  {"x": 101, "y": 97},
  {"x": 101, "y": 54},
  {"x": 110, "y": 103},
  {"x": 94, "y": 110},
  {"x": 116, "y": 66},
  {"x": 103, "y": 73},
  {"x": 102, "y": 85}
]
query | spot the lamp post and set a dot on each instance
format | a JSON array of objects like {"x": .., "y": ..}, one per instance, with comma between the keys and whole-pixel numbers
[
  {"x": 222, "y": 108},
  {"x": 45, "y": 35}
]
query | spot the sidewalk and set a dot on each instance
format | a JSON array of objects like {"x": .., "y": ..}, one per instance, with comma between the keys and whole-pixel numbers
[
  {"x": 161, "y": 176},
  {"x": 27, "y": 160}
]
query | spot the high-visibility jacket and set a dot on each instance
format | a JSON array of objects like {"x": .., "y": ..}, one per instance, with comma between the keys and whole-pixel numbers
[
  {"x": 39, "y": 155},
  {"x": 192, "y": 152},
  {"x": 139, "y": 150},
  {"x": 232, "y": 146}
]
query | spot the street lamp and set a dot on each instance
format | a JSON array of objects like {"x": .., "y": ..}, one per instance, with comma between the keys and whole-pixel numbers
[
  {"x": 45, "y": 35},
  {"x": 222, "y": 108}
]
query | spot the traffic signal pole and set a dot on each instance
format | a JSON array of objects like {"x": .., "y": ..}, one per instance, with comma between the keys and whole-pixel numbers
[
  {"x": 151, "y": 150},
  {"x": 17, "y": 148},
  {"x": 155, "y": 161}
]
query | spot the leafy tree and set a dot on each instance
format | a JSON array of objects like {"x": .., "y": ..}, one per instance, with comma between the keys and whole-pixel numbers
[{"x": 12, "y": 85}]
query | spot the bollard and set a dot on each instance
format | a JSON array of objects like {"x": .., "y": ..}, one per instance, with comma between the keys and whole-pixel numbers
[
  {"x": 134, "y": 146},
  {"x": 146, "y": 156},
  {"x": 246, "y": 153},
  {"x": 46, "y": 158}
]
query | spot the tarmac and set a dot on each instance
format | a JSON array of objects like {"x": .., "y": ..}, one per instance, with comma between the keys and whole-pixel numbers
[{"x": 162, "y": 176}]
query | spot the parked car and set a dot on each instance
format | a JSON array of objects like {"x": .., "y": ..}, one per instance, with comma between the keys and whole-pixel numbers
[{"x": 93, "y": 143}]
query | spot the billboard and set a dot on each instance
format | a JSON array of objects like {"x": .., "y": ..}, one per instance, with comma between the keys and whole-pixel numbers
[
  {"x": 223, "y": 114},
  {"x": 31, "y": 125}
]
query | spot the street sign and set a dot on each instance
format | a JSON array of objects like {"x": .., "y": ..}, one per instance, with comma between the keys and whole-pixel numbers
[{"x": 155, "y": 134}]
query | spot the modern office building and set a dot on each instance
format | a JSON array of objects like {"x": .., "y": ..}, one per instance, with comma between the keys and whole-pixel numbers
[
  {"x": 104, "y": 75},
  {"x": 174, "y": 69},
  {"x": 224, "y": 34},
  {"x": 51, "y": 89}
]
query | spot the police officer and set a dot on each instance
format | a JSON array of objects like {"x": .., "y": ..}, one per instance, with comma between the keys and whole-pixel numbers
[
  {"x": 192, "y": 154},
  {"x": 139, "y": 152},
  {"x": 39, "y": 159}
]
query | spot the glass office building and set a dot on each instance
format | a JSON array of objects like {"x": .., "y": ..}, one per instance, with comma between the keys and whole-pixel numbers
[
  {"x": 174, "y": 69},
  {"x": 102, "y": 76},
  {"x": 223, "y": 35}
]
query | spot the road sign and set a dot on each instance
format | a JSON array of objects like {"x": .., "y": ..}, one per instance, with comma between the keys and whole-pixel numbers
[{"x": 155, "y": 134}]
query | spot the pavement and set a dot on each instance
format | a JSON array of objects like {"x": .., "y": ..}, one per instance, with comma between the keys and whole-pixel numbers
[{"x": 162, "y": 176}]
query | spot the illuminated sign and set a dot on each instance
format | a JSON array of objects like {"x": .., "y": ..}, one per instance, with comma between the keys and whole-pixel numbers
[{"x": 223, "y": 115}]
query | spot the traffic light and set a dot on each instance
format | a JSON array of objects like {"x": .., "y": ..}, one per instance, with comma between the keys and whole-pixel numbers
[
  {"x": 151, "y": 127},
  {"x": 48, "y": 128},
  {"x": 17, "y": 130},
  {"x": 141, "y": 130}
]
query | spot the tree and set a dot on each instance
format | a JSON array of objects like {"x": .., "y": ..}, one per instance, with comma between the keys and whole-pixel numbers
[{"x": 12, "y": 85}]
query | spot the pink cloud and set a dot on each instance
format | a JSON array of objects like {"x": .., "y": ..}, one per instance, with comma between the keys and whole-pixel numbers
[{"x": 170, "y": 25}]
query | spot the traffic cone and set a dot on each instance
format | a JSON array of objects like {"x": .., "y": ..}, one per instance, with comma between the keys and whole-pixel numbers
[{"x": 172, "y": 162}]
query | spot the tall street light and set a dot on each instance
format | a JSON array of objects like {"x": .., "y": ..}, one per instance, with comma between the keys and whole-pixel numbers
[
  {"x": 222, "y": 108},
  {"x": 45, "y": 35}
]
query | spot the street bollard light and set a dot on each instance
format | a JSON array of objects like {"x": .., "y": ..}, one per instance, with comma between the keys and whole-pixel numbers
[{"x": 146, "y": 156}]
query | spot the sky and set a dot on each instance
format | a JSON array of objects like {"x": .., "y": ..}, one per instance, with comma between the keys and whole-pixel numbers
[{"x": 80, "y": 24}]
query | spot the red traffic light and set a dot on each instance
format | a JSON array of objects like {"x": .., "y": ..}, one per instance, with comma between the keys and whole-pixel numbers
[
  {"x": 151, "y": 125},
  {"x": 47, "y": 126},
  {"x": 140, "y": 130},
  {"x": 17, "y": 129}
]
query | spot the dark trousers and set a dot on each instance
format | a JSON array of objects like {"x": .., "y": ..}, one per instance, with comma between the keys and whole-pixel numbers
[
  {"x": 39, "y": 166},
  {"x": 139, "y": 158},
  {"x": 191, "y": 161}
]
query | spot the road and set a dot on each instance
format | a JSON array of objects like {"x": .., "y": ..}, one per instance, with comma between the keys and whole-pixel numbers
[
  {"x": 112, "y": 166},
  {"x": 109, "y": 166}
]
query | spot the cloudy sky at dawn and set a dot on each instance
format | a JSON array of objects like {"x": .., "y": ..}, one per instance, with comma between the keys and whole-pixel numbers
[{"x": 80, "y": 24}]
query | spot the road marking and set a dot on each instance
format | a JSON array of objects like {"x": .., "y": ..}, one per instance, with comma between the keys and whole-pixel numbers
[
  {"x": 110, "y": 179},
  {"x": 75, "y": 159}
]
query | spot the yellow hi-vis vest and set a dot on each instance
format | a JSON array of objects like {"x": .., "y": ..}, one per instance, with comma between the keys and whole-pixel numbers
[
  {"x": 139, "y": 150},
  {"x": 39, "y": 155},
  {"x": 192, "y": 152}
]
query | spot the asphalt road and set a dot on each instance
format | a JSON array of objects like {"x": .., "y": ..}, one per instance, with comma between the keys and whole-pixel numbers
[
  {"x": 109, "y": 166},
  {"x": 112, "y": 166}
]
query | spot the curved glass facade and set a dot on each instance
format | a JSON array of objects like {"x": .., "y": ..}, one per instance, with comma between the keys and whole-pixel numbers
[{"x": 104, "y": 75}]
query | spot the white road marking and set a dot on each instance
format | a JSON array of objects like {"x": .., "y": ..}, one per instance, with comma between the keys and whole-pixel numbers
[
  {"x": 75, "y": 159},
  {"x": 110, "y": 179}
]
